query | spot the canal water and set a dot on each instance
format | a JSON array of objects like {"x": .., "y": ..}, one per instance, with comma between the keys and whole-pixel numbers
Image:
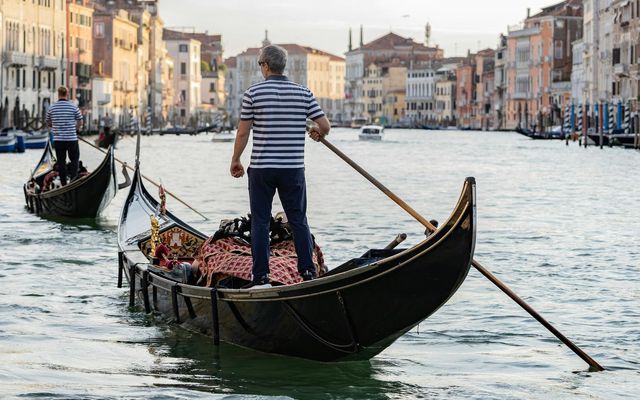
[{"x": 559, "y": 224}]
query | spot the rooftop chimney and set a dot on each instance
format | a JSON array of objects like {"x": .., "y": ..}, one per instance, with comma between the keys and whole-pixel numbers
[{"x": 528, "y": 12}]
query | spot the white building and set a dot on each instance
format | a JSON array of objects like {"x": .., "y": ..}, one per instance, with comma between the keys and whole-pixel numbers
[
  {"x": 421, "y": 93},
  {"x": 578, "y": 87},
  {"x": 187, "y": 79},
  {"x": 597, "y": 51},
  {"x": 33, "y": 47}
]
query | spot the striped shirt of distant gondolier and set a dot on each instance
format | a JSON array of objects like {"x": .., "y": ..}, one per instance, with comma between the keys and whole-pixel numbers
[
  {"x": 63, "y": 116},
  {"x": 279, "y": 109}
]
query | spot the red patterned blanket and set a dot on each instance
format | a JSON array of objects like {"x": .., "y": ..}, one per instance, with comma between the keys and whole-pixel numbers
[{"x": 231, "y": 256}]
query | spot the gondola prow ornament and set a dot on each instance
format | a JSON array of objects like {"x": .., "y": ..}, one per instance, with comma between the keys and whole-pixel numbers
[{"x": 154, "y": 234}]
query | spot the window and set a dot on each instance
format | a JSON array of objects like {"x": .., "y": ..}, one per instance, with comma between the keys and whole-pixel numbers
[
  {"x": 212, "y": 87},
  {"x": 183, "y": 48},
  {"x": 99, "y": 30},
  {"x": 558, "y": 52},
  {"x": 183, "y": 68}
]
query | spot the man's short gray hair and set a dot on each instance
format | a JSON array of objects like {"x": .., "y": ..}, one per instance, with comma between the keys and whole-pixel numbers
[{"x": 275, "y": 57}]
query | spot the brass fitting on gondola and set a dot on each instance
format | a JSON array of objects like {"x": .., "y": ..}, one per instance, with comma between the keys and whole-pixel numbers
[{"x": 155, "y": 239}]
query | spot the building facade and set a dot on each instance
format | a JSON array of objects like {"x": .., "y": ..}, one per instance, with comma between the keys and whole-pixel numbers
[
  {"x": 34, "y": 59},
  {"x": 390, "y": 48},
  {"x": 115, "y": 65},
  {"x": 422, "y": 79},
  {"x": 539, "y": 65},
  {"x": 80, "y": 52},
  {"x": 187, "y": 78}
]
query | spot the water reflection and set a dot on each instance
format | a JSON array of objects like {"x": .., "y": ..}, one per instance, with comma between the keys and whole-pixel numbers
[{"x": 229, "y": 368}]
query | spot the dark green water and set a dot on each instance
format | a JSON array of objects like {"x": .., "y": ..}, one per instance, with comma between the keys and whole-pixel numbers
[{"x": 560, "y": 225}]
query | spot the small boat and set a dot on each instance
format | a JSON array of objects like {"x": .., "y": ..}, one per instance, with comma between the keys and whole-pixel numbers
[
  {"x": 557, "y": 132},
  {"x": 7, "y": 141},
  {"x": 36, "y": 139},
  {"x": 84, "y": 197},
  {"x": 223, "y": 137},
  {"x": 353, "y": 312},
  {"x": 371, "y": 132},
  {"x": 532, "y": 134}
]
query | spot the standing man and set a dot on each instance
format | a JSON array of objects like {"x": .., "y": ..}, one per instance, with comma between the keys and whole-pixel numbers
[
  {"x": 108, "y": 123},
  {"x": 277, "y": 109},
  {"x": 64, "y": 119}
]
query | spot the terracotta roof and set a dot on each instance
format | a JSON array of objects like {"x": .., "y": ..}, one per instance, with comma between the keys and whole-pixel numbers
[
  {"x": 392, "y": 40},
  {"x": 559, "y": 9},
  {"x": 168, "y": 34},
  {"x": 231, "y": 62}
]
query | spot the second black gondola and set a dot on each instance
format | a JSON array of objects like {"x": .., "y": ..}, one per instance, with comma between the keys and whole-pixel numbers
[{"x": 85, "y": 197}]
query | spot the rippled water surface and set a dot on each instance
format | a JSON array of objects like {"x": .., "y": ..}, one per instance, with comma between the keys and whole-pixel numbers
[{"x": 559, "y": 224}]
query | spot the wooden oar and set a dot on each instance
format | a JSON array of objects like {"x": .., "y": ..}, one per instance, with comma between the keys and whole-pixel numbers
[
  {"x": 124, "y": 164},
  {"x": 592, "y": 363}
]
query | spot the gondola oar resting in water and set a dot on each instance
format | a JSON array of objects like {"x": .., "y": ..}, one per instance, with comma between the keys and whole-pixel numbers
[
  {"x": 432, "y": 226},
  {"x": 345, "y": 314},
  {"x": 84, "y": 197}
]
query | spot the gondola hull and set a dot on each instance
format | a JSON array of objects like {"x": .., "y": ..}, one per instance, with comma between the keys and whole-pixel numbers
[
  {"x": 354, "y": 312},
  {"x": 83, "y": 198}
]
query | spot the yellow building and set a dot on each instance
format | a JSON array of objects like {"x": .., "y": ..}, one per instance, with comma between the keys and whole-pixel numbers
[
  {"x": 383, "y": 88},
  {"x": 115, "y": 64},
  {"x": 79, "y": 51},
  {"x": 33, "y": 45}
]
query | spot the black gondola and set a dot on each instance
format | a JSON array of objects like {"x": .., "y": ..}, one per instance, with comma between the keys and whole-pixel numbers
[
  {"x": 353, "y": 312},
  {"x": 85, "y": 197}
]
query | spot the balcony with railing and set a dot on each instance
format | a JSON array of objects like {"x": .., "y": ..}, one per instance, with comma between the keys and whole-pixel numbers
[
  {"x": 15, "y": 58},
  {"x": 621, "y": 69},
  {"x": 48, "y": 62}
]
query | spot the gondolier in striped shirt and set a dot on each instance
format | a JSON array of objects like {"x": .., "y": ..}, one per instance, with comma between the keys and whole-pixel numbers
[
  {"x": 64, "y": 119},
  {"x": 277, "y": 110}
]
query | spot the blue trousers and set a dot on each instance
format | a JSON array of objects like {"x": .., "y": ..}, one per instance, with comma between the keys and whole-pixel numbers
[{"x": 291, "y": 187}]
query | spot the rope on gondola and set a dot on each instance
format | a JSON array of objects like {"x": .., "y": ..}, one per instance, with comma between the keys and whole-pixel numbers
[{"x": 353, "y": 346}]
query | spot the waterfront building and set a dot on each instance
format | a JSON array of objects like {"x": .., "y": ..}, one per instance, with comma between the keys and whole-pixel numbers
[
  {"x": 500, "y": 83},
  {"x": 420, "y": 91},
  {"x": 445, "y": 98},
  {"x": 484, "y": 80},
  {"x": 466, "y": 94},
  {"x": 597, "y": 56},
  {"x": 626, "y": 52},
  {"x": 115, "y": 64},
  {"x": 80, "y": 53},
  {"x": 384, "y": 87},
  {"x": 539, "y": 65},
  {"x": 231, "y": 92},
  {"x": 33, "y": 64},
  {"x": 212, "y": 91},
  {"x": 187, "y": 78},
  {"x": 382, "y": 50},
  {"x": 579, "y": 86},
  {"x": 151, "y": 90}
]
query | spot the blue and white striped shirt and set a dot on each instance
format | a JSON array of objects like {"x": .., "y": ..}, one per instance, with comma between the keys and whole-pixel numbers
[
  {"x": 279, "y": 110},
  {"x": 62, "y": 116}
]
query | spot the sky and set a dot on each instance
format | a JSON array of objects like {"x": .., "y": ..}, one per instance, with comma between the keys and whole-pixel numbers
[{"x": 456, "y": 25}]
